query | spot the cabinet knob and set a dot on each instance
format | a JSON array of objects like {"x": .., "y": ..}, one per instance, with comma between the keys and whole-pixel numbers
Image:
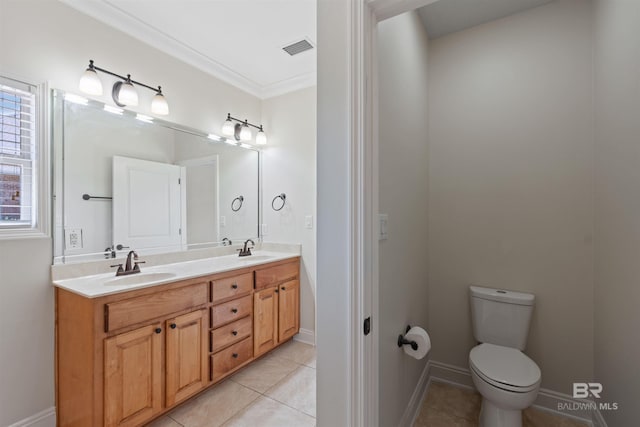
[
  {"x": 277, "y": 290},
  {"x": 158, "y": 330},
  {"x": 234, "y": 333},
  {"x": 234, "y": 286},
  {"x": 172, "y": 326},
  {"x": 234, "y": 310},
  {"x": 235, "y": 355},
  {"x": 283, "y": 288}
]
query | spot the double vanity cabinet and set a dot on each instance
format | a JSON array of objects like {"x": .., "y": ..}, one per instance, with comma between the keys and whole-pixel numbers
[{"x": 124, "y": 358}]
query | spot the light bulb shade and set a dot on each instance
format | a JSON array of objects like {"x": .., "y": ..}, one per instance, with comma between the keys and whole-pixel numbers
[
  {"x": 228, "y": 128},
  {"x": 245, "y": 133},
  {"x": 90, "y": 83},
  {"x": 159, "y": 105},
  {"x": 128, "y": 95},
  {"x": 261, "y": 138}
]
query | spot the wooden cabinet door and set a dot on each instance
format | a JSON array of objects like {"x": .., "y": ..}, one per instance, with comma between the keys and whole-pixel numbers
[
  {"x": 133, "y": 376},
  {"x": 288, "y": 310},
  {"x": 186, "y": 356},
  {"x": 265, "y": 320}
]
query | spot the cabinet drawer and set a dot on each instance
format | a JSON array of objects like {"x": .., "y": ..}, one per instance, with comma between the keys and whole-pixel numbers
[
  {"x": 230, "y": 311},
  {"x": 136, "y": 310},
  {"x": 230, "y": 334},
  {"x": 230, "y": 358},
  {"x": 272, "y": 275},
  {"x": 230, "y": 287}
]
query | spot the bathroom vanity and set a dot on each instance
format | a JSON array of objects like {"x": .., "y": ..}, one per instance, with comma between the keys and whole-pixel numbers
[{"x": 131, "y": 348}]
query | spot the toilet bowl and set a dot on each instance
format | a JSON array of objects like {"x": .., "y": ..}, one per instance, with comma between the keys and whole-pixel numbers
[{"x": 507, "y": 379}]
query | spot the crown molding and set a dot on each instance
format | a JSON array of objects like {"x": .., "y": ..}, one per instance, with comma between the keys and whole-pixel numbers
[
  {"x": 289, "y": 85},
  {"x": 122, "y": 21}
]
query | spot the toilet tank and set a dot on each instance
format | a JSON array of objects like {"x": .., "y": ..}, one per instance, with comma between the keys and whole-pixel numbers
[{"x": 501, "y": 317}]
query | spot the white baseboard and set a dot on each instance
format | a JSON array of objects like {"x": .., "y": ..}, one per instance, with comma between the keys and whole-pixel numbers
[
  {"x": 547, "y": 400},
  {"x": 306, "y": 336},
  {"x": 46, "y": 418},
  {"x": 415, "y": 403}
]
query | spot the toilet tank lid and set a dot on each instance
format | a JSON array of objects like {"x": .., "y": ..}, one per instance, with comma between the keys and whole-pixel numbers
[{"x": 502, "y": 295}]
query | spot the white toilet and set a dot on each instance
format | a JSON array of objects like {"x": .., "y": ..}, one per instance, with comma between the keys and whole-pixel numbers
[{"x": 505, "y": 377}]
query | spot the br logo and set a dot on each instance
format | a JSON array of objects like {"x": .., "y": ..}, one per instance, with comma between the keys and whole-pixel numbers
[{"x": 584, "y": 390}]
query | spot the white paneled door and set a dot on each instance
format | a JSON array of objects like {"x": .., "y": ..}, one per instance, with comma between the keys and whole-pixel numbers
[{"x": 147, "y": 204}]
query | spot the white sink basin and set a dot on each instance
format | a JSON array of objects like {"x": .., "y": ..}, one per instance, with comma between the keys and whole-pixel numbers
[{"x": 138, "y": 279}]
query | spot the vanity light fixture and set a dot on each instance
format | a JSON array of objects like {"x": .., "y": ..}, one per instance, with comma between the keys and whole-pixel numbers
[
  {"x": 240, "y": 130},
  {"x": 124, "y": 92}
]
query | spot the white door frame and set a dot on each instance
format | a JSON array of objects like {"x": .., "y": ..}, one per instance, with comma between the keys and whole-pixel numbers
[{"x": 363, "y": 203}]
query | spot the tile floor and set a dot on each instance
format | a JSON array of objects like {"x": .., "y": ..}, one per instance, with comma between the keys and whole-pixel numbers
[
  {"x": 449, "y": 406},
  {"x": 279, "y": 390}
]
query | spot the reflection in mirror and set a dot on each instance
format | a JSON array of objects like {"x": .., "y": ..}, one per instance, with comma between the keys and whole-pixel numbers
[{"x": 122, "y": 182}]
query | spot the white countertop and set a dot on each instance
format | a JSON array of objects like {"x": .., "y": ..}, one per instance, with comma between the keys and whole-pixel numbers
[{"x": 99, "y": 285}]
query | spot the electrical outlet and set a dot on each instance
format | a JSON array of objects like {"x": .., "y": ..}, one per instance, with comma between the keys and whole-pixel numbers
[
  {"x": 223, "y": 221},
  {"x": 308, "y": 222},
  {"x": 73, "y": 238}
]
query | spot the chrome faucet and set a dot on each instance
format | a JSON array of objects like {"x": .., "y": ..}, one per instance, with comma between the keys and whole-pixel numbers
[
  {"x": 128, "y": 269},
  {"x": 245, "y": 251}
]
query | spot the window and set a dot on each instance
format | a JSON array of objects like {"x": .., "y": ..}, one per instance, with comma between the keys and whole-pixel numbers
[{"x": 20, "y": 146}]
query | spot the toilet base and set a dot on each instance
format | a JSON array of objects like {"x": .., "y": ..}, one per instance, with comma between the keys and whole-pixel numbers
[{"x": 493, "y": 416}]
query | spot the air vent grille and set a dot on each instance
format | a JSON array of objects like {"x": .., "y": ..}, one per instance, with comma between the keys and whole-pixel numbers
[{"x": 298, "y": 47}]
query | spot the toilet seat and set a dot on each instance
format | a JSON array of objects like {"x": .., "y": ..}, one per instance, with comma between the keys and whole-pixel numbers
[{"x": 505, "y": 368}]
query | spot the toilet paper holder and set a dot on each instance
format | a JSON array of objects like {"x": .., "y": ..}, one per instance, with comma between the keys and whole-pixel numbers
[{"x": 403, "y": 341}]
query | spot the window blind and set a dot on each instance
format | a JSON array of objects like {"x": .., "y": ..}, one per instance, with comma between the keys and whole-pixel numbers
[{"x": 17, "y": 154}]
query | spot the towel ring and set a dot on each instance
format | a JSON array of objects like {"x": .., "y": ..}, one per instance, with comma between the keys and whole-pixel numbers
[
  {"x": 236, "y": 206},
  {"x": 280, "y": 196}
]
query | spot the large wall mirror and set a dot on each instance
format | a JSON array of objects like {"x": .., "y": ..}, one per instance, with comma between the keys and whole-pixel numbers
[{"x": 126, "y": 181}]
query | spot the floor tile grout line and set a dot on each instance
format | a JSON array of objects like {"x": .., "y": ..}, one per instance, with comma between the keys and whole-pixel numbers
[{"x": 288, "y": 406}]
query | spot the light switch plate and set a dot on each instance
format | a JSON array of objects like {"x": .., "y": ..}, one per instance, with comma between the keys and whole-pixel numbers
[
  {"x": 383, "y": 224},
  {"x": 223, "y": 221},
  {"x": 308, "y": 222},
  {"x": 265, "y": 229}
]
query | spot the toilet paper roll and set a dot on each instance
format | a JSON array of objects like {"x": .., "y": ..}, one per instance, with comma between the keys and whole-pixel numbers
[{"x": 421, "y": 337}]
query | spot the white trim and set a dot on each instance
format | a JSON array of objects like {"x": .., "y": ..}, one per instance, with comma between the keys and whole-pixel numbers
[
  {"x": 547, "y": 400},
  {"x": 306, "y": 336},
  {"x": 415, "y": 403},
  {"x": 294, "y": 83},
  {"x": 46, "y": 418},
  {"x": 385, "y": 9},
  {"x": 117, "y": 18}
]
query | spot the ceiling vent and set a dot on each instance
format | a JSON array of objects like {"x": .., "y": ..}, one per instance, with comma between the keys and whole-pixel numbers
[{"x": 298, "y": 47}]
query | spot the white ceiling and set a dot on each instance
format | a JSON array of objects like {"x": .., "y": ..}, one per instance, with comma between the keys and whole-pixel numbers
[
  {"x": 448, "y": 16},
  {"x": 237, "y": 41}
]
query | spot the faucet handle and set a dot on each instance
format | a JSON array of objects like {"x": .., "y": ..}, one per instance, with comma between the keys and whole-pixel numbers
[
  {"x": 120, "y": 269},
  {"x": 136, "y": 267}
]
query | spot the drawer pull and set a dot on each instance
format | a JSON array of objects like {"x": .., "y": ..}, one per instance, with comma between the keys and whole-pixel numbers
[
  {"x": 158, "y": 330},
  {"x": 172, "y": 326},
  {"x": 234, "y": 333},
  {"x": 234, "y": 286},
  {"x": 235, "y": 355},
  {"x": 234, "y": 310}
]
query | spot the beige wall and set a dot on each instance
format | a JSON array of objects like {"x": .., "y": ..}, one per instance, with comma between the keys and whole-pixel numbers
[
  {"x": 403, "y": 175},
  {"x": 290, "y": 168},
  {"x": 617, "y": 348},
  {"x": 57, "y": 48},
  {"x": 511, "y": 182}
]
